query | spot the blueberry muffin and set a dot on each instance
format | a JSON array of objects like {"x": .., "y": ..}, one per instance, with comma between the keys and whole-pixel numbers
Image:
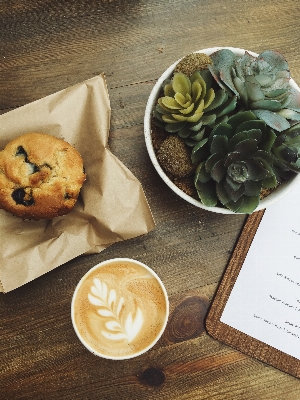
[{"x": 40, "y": 176}]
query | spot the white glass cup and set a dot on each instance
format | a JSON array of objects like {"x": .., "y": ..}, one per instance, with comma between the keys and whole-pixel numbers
[{"x": 119, "y": 309}]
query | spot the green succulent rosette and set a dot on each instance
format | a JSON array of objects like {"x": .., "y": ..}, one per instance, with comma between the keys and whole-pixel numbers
[
  {"x": 237, "y": 164},
  {"x": 262, "y": 84},
  {"x": 190, "y": 103}
]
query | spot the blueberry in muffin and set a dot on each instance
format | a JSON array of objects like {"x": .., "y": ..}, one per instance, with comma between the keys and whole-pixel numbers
[{"x": 40, "y": 176}]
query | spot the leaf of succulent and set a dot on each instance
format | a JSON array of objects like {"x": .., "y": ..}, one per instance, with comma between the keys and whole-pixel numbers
[
  {"x": 289, "y": 114},
  {"x": 198, "y": 86},
  {"x": 237, "y": 119},
  {"x": 228, "y": 106},
  {"x": 170, "y": 103},
  {"x": 244, "y": 205},
  {"x": 253, "y": 188},
  {"x": 273, "y": 57},
  {"x": 207, "y": 193},
  {"x": 294, "y": 97},
  {"x": 273, "y": 119},
  {"x": 240, "y": 162},
  {"x": 221, "y": 129},
  {"x": 261, "y": 84},
  {"x": 200, "y": 151},
  {"x": 197, "y": 136},
  {"x": 220, "y": 98},
  {"x": 246, "y": 147},
  {"x": 181, "y": 84},
  {"x": 234, "y": 190},
  {"x": 244, "y": 135},
  {"x": 168, "y": 88},
  {"x": 219, "y": 144},
  {"x": 218, "y": 171},
  {"x": 173, "y": 128},
  {"x": 201, "y": 175},
  {"x": 220, "y": 59},
  {"x": 271, "y": 105}
]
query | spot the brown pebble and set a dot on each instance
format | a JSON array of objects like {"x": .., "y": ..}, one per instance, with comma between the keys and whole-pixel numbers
[
  {"x": 193, "y": 62},
  {"x": 175, "y": 157}
]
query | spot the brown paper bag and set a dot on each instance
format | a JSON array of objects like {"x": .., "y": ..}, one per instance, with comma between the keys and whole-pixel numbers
[{"x": 111, "y": 206}]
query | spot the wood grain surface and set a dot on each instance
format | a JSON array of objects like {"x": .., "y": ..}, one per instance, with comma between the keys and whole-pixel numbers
[{"x": 46, "y": 46}]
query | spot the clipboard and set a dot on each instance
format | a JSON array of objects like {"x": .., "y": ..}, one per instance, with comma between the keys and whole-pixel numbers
[{"x": 231, "y": 336}]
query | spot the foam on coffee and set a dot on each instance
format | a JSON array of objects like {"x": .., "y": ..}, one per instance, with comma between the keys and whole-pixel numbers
[{"x": 119, "y": 309}]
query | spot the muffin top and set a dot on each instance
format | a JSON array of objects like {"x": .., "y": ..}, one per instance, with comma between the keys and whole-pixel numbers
[{"x": 40, "y": 176}]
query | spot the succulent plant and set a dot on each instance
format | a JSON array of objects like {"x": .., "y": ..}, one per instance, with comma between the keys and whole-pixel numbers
[
  {"x": 240, "y": 119},
  {"x": 190, "y": 103},
  {"x": 238, "y": 164},
  {"x": 286, "y": 149},
  {"x": 260, "y": 83}
]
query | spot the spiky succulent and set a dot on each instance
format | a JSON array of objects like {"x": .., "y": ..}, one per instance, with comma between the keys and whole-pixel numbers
[
  {"x": 237, "y": 164},
  {"x": 190, "y": 103},
  {"x": 261, "y": 84}
]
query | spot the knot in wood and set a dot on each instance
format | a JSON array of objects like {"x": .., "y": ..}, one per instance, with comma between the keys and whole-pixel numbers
[
  {"x": 187, "y": 319},
  {"x": 152, "y": 377}
]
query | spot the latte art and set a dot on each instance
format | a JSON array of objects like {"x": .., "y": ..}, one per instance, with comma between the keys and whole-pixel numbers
[
  {"x": 119, "y": 309},
  {"x": 111, "y": 308}
]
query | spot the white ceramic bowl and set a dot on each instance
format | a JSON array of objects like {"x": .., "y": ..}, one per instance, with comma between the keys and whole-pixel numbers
[{"x": 281, "y": 191}]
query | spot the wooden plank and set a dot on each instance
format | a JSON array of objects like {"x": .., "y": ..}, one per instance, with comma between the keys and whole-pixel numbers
[{"x": 40, "y": 42}]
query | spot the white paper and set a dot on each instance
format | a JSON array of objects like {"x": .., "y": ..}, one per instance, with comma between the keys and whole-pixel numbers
[{"x": 265, "y": 300}]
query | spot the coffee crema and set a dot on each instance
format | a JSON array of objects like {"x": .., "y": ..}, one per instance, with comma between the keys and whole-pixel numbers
[{"x": 119, "y": 309}]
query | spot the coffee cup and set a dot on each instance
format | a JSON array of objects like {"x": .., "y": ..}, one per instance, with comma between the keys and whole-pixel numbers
[{"x": 119, "y": 309}]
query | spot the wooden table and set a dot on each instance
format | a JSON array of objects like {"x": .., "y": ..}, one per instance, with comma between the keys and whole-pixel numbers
[{"x": 46, "y": 46}]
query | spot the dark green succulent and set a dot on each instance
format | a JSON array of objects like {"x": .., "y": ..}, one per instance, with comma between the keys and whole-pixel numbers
[
  {"x": 237, "y": 163},
  {"x": 286, "y": 149},
  {"x": 190, "y": 104},
  {"x": 260, "y": 83}
]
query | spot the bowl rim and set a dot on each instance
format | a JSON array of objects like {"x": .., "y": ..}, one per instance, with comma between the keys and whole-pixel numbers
[{"x": 273, "y": 197}]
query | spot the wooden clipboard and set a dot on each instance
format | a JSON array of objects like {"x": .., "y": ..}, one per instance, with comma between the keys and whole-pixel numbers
[{"x": 231, "y": 336}]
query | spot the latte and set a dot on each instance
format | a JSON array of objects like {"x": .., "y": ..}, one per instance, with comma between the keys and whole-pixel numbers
[{"x": 119, "y": 309}]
